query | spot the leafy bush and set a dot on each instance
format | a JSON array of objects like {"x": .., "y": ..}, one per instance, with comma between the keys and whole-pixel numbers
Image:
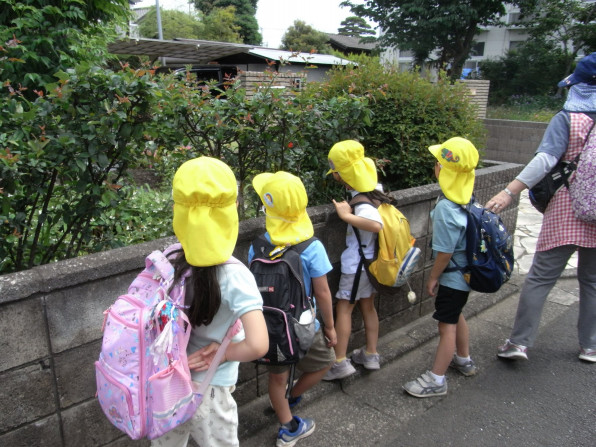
[
  {"x": 62, "y": 158},
  {"x": 534, "y": 69},
  {"x": 269, "y": 131},
  {"x": 408, "y": 114}
]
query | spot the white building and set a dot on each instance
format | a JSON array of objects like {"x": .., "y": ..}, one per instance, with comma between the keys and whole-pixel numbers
[{"x": 491, "y": 43}]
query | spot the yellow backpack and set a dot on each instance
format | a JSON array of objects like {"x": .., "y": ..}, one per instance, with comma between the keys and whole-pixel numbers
[{"x": 395, "y": 255}]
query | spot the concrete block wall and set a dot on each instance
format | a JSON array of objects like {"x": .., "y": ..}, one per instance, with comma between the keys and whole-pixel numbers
[
  {"x": 512, "y": 141},
  {"x": 51, "y": 317}
]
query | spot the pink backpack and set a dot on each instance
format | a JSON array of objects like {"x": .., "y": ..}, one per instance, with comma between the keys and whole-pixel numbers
[
  {"x": 582, "y": 188},
  {"x": 144, "y": 384}
]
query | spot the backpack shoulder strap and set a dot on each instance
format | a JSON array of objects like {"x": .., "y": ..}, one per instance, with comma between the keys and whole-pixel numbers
[
  {"x": 300, "y": 247},
  {"x": 363, "y": 198}
]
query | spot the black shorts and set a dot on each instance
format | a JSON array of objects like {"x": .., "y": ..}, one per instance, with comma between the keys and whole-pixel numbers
[{"x": 449, "y": 303}]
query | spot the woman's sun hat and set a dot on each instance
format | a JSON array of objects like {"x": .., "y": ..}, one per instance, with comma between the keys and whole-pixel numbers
[
  {"x": 284, "y": 197},
  {"x": 205, "y": 215},
  {"x": 348, "y": 160},
  {"x": 585, "y": 71},
  {"x": 458, "y": 159}
]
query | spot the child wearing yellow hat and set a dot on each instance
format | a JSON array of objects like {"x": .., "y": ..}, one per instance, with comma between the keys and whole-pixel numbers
[
  {"x": 359, "y": 175},
  {"x": 456, "y": 160},
  {"x": 219, "y": 290},
  {"x": 284, "y": 198}
]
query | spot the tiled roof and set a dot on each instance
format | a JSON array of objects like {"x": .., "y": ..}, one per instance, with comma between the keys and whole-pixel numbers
[{"x": 349, "y": 42}]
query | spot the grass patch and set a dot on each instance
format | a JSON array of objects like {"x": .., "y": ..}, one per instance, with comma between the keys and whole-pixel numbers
[{"x": 527, "y": 108}]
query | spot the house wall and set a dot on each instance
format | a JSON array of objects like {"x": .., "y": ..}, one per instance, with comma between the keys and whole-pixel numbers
[
  {"x": 253, "y": 80},
  {"x": 51, "y": 317}
]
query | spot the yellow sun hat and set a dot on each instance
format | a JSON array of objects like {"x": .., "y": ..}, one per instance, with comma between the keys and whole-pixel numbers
[
  {"x": 205, "y": 215},
  {"x": 284, "y": 197},
  {"x": 348, "y": 160},
  {"x": 458, "y": 159}
]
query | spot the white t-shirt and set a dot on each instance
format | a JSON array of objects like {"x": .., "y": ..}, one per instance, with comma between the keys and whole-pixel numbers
[{"x": 350, "y": 258}]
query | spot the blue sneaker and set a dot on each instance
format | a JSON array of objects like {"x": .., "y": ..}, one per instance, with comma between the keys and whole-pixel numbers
[{"x": 286, "y": 438}]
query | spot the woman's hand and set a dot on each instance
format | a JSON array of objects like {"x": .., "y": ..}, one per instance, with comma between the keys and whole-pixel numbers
[{"x": 499, "y": 202}]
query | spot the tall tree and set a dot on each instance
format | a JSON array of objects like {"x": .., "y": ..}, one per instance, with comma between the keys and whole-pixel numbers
[
  {"x": 424, "y": 26},
  {"x": 219, "y": 25},
  {"x": 173, "y": 23},
  {"x": 245, "y": 16},
  {"x": 356, "y": 27},
  {"x": 303, "y": 37},
  {"x": 41, "y": 37},
  {"x": 569, "y": 24}
]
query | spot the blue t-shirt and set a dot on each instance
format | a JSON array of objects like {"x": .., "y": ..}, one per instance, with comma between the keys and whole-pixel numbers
[
  {"x": 315, "y": 263},
  {"x": 239, "y": 295},
  {"x": 449, "y": 236}
]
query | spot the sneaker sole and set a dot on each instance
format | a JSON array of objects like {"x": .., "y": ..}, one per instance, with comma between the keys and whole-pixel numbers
[
  {"x": 426, "y": 394},
  {"x": 465, "y": 373},
  {"x": 371, "y": 366},
  {"x": 342, "y": 376},
  {"x": 513, "y": 356},
  {"x": 282, "y": 443},
  {"x": 586, "y": 358}
]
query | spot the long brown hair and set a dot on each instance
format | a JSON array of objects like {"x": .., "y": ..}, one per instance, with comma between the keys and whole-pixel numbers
[{"x": 203, "y": 286}]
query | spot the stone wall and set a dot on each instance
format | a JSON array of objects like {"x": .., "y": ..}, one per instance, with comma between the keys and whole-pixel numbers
[
  {"x": 51, "y": 317},
  {"x": 512, "y": 141}
]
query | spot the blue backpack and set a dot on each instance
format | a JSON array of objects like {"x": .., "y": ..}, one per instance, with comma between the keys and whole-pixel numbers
[{"x": 489, "y": 249}]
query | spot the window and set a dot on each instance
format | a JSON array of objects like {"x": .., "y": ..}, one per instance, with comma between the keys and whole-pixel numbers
[
  {"x": 477, "y": 49},
  {"x": 515, "y": 44}
]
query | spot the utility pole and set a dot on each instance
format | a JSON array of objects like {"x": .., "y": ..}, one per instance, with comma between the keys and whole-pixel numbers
[{"x": 158, "y": 15}]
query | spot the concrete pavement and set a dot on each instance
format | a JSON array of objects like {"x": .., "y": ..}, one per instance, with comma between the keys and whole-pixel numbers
[{"x": 546, "y": 401}]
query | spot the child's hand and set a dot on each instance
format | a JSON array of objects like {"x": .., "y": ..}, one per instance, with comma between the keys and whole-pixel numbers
[
  {"x": 201, "y": 360},
  {"x": 342, "y": 208},
  {"x": 432, "y": 286}
]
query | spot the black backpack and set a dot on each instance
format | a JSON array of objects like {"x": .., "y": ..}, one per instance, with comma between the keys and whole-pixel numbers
[{"x": 279, "y": 275}]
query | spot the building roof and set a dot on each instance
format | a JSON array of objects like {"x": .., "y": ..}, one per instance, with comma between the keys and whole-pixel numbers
[
  {"x": 301, "y": 58},
  {"x": 347, "y": 43},
  {"x": 204, "y": 51}
]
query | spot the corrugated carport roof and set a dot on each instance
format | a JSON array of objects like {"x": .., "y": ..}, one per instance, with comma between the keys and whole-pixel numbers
[
  {"x": 301, "y": 58},
  {"x": 204, "y": 51},
  {"x": 200, "y": 51}
]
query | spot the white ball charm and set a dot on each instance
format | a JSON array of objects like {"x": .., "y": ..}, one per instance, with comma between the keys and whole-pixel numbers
[{"x": 411, "y": 297}]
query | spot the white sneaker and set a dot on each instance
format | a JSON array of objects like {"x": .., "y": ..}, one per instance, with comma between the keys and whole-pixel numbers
[
  {"x": 369, "y": 361},
  {"x": 340, "y": 370}
]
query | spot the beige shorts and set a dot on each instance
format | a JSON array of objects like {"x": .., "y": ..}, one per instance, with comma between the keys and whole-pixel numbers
[
  {"x": 215, "y": 423},
  {"x": 365, "y": 288},
  {"x": 318, "y": 357}
]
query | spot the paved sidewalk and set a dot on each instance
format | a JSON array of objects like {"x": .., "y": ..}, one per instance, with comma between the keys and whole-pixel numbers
[{"x": 370, "y": 408}]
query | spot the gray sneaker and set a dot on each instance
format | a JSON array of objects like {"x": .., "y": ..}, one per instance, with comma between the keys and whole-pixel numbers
[
  {"x": 467, "y": 369},
  {"x": 425, "y": 386},
  {"x": 369, "y": 361},
  {"x": 512, "y": 351},
  {"x": 589, "y": 355},
  {"x": 340, "y": 370}
]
